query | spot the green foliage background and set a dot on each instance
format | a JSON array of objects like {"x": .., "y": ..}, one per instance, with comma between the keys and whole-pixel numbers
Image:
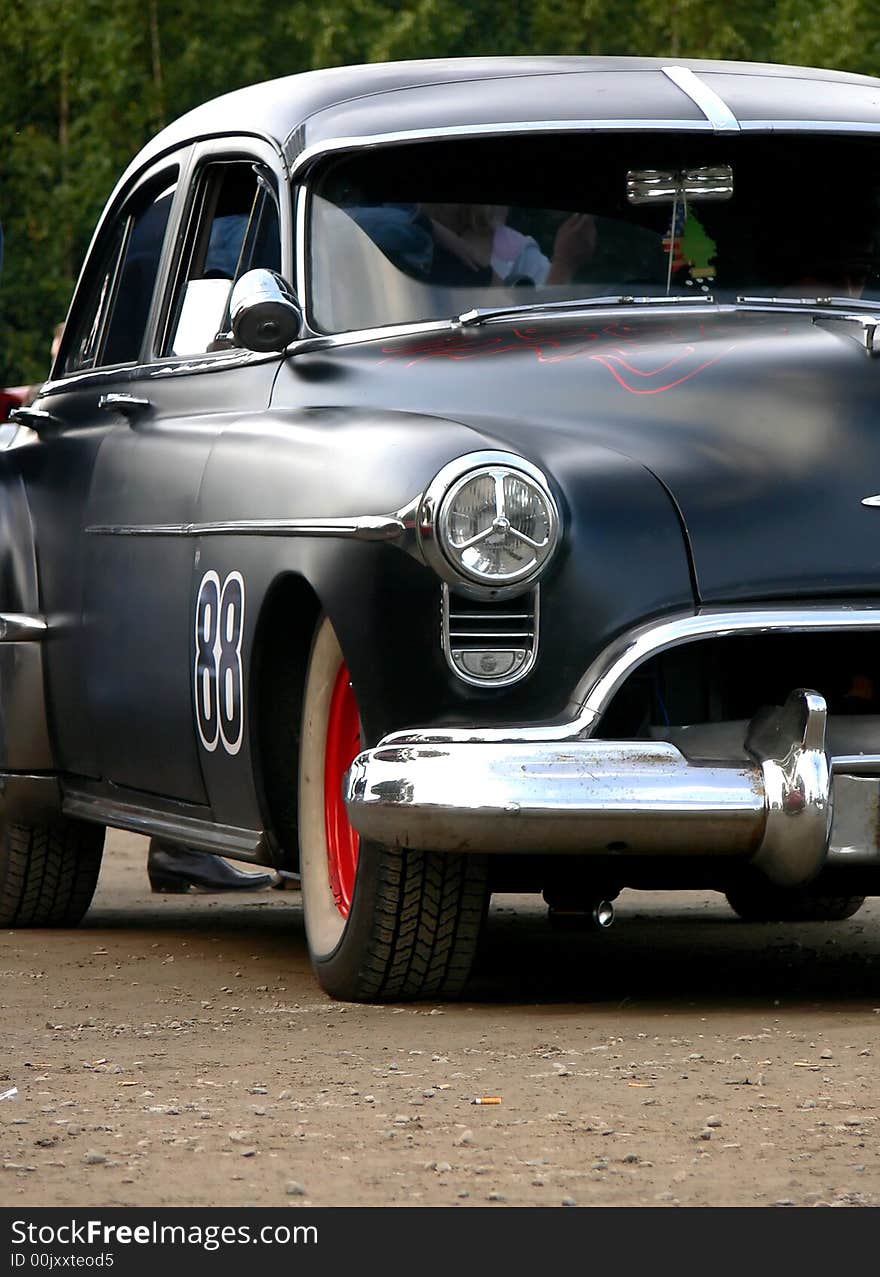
[{"x": 86, "y": 82}]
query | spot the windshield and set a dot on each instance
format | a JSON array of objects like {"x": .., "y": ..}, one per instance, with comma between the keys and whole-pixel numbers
[{"x": 431, "y": 230}]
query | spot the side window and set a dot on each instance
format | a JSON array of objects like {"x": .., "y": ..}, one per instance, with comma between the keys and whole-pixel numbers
[
  {"x": 110, "y": 326},
  {"x": 234, "y": 228},
  {"x": 85, "y": 341}
]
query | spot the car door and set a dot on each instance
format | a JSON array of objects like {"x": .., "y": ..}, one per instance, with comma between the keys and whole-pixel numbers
[
  {"x": 176, "y": 387},
  {"x": 98, "y": 352}
]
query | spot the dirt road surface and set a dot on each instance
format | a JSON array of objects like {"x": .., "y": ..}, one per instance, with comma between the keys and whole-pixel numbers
[{"x": 176, "y": 1050}]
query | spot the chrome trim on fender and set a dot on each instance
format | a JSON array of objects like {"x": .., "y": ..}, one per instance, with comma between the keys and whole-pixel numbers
[
  {"x": 363, "y": 527},
  {"x": 713, "y": 106}
]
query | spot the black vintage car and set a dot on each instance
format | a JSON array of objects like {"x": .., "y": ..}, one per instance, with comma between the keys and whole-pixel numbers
[{"x": 457, "y": 477}]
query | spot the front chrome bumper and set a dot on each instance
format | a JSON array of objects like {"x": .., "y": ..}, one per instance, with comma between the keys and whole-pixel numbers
[{"x": 481, "y": 794}]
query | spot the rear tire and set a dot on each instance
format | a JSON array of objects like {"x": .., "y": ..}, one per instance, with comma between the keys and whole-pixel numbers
[
  {"x": 382, "y": 924},
  {"x": 768, "y": 903},
  {"x": 48, "y": 873}
]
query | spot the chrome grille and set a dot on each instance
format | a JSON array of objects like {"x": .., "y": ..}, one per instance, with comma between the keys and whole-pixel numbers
[{"x": 492, "y": 643}]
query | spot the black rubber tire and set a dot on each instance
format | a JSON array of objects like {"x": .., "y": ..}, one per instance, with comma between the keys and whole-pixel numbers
[
  {"x": 416, "y": 917},
  {"x": 414, "y": 928},
  {"x": 48, "y": 873},
  {"x": 766, "y": 903}
]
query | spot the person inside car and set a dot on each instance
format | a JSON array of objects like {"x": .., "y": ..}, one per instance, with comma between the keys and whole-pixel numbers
[{"x": 478, "y": 237}]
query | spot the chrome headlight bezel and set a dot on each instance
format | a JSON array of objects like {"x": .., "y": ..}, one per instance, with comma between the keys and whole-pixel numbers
[{"x": 436, "y": 506}]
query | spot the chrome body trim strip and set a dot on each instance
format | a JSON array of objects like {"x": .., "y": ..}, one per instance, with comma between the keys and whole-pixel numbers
[
  {"x": 613, "y": 666},
  {"x": 16, "y": 627},
  {"x": 713, "y": 106},
  {"x": 301, "y": 265},
  {"x": 193, "y": 831},
  {"x": 809, "y": 126},
  {"x": 167, "y": 366},
  {"x": 364, "y": 527},
  {"x": 856, "y": 764}
]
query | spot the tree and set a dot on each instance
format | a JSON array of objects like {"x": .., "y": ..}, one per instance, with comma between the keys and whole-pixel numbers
[{"x": 86, "y": 84}]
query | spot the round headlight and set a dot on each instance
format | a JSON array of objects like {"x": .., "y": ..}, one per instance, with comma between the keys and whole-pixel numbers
[{"x": 497, "y": 525}]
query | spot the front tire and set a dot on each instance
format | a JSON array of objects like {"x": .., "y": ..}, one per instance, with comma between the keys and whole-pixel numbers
[
  {"x": 48, "y": 872},
  {"x": 381, "y": 924}
]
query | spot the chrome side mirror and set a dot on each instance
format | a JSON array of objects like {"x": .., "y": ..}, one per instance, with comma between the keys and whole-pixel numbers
[{"x": 264, "y": 312}]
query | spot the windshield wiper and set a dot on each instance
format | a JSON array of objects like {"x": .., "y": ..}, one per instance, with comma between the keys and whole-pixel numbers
[
  {"x": 473, "y": 318},
  {"x": 812, "y": 303},
  {"x": 864, "y": 314}
]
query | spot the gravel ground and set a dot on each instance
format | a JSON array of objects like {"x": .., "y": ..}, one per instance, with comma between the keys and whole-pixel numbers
[{"x": 176, "y": 1050}]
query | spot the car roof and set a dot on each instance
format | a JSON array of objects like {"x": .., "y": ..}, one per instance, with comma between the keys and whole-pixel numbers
[{"x": 307, "y": 114}]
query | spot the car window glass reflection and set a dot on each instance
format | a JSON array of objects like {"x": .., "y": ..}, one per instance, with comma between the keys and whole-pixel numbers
[
  {"x": 433, "y": 229},
  {"x": 137, "y": 280},
  {"x": 109, "y": 328}
]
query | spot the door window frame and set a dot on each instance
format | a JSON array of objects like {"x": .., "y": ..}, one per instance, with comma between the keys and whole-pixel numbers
[
  {"x": 268, "y": 160},
  {"x": 171, "y": 168},
  {"x": 188, "y": 159}
]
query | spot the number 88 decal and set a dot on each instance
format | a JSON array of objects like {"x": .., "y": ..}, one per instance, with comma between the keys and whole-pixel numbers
[{"x": 219, "y": 688}]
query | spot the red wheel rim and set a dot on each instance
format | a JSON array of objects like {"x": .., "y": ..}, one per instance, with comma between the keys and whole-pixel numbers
[{"x": 343, "y": 743}]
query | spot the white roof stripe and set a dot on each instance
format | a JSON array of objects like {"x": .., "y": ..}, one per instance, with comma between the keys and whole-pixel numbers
[{"x": 715, "y": 109}]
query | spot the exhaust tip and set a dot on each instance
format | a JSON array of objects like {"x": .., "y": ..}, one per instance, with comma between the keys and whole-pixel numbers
[
  {"x": 596, "y": 915},
  {"x": 603, "y": 915}
]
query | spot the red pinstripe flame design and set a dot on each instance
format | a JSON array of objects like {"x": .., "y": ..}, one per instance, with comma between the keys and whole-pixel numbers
[{"x": 615, "y": 346}]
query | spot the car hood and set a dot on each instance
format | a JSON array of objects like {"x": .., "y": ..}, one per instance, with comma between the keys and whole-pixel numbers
[{"x": 763, "y": 427}]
